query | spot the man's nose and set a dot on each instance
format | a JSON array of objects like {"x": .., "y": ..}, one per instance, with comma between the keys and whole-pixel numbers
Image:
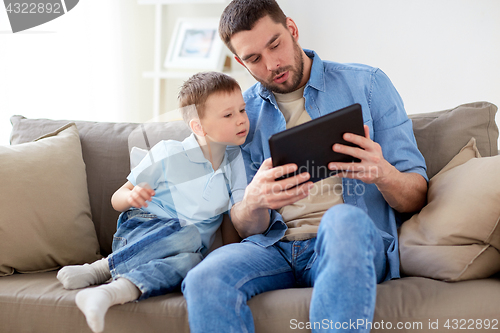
[{"x": 273, "y": 63}]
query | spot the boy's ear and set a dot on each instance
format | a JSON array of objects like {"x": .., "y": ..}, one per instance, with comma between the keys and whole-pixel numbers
[{"x": 196, "y": 127}]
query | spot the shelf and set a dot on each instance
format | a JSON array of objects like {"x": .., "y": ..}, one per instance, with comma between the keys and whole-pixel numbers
[
  {"x": 184, "y": 74},
  {"x": 158, "y": 74}
]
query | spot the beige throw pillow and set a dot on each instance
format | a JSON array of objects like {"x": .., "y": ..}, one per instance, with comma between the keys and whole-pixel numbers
[
  {"x": 456, "y": 235},
  {"x": 45, "y": 221}
]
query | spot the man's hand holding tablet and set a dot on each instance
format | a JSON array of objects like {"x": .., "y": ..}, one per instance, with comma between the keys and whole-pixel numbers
[{"x": 314, "y": 145}]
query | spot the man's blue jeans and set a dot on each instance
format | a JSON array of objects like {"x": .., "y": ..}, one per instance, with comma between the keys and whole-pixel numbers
[
  {"x": 343, "y": 264},
  {"x": 153, "y": 253}
]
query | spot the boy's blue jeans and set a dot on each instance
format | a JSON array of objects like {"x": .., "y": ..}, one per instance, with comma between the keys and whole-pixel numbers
[
  {"x": 343, "y": 263},
  {"x": 153, "y": 253}
]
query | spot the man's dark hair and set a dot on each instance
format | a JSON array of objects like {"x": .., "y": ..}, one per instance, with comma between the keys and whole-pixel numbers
[{"x": 241, "y": 15}]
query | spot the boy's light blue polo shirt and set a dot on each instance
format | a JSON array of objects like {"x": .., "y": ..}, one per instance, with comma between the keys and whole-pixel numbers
[
  {"x": 187, "y": 187},
  {"x": 333, "y": 86}
]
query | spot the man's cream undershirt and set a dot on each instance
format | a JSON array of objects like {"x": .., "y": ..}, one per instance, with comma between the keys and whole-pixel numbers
[{"x": 304, "y": 216}]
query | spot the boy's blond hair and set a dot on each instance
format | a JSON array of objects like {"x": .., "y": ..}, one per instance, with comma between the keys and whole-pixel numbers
[{"x": 196, "y": 90}]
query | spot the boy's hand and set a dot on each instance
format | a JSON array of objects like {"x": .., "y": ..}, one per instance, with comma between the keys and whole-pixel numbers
[{"x": 140, "y": 195}]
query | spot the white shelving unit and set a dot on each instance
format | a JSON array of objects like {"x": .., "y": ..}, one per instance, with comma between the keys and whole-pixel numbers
[{"x": 159, "y": 73}]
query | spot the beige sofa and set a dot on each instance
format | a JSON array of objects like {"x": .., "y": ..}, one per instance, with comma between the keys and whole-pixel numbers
[{"x": 38, "y": 303}]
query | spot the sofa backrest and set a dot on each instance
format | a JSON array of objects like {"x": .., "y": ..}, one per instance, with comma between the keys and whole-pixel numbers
[
  {"x": 105, "y": 148},
  {"x": 441, "y": 135}
]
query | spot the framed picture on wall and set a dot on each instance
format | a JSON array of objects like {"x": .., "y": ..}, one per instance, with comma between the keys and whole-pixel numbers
[{"x": 195, "y": 44}]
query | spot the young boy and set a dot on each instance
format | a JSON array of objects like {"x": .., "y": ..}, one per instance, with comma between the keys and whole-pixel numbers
[{"x": 172, "y": 203}]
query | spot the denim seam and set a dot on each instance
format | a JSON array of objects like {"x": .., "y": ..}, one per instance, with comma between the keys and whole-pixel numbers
[
  {"x": 128, "y": 259},
  {"x": 111, "y": 265},
  {"x": 113, "y": 270},
  {"x": 314, "y": 256},
  {"x": 117, "y": 275},
  {"x": 295, "y": 249},
  {"x": 370, "y": 93},
  {"x": 367, "y": 307},
  {"x": 239, "y": 303}
]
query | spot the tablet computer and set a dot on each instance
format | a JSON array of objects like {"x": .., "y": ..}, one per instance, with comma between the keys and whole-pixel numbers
[{"x": 309, "y": 145}]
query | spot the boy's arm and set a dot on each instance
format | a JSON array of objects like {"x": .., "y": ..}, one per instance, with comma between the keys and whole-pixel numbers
[{"x": 129, "y": 196}]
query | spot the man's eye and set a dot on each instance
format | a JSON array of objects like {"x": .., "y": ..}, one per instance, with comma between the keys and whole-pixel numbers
[
  {"x": 275, "y": 46},
  {"x": 243, "y": 110},
  {"x": 255, "y": 60}
]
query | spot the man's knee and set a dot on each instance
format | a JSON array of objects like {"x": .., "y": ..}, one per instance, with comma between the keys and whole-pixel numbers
[
  {"x": 210, "y": 273},
  {"x": 346, "y": 222},
  {"x": 192, "y": 279}
]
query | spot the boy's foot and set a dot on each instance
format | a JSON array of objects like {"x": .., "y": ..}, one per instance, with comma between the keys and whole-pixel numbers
[
  {"x": 80, "y": 276},
  {"x": 95, "y": 302}
]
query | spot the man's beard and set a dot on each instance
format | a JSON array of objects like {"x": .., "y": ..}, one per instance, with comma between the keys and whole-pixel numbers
[{"x": 296, "y": 74}]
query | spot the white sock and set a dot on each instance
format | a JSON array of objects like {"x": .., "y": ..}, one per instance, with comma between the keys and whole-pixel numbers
[
  {"x": 80, "y": 276},
  {"x": 95, "y": 302}
]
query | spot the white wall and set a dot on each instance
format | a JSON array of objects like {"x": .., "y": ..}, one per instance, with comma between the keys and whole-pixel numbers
[
  {"x": 84, "y": 65},
  {"x": 438, "y": 53},
  {"x": 88, "y": 63}
]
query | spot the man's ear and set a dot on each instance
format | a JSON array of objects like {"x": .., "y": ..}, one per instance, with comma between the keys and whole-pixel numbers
[
  {"x": 292, "y": 27},
  {"x": 196, "y": 127}
]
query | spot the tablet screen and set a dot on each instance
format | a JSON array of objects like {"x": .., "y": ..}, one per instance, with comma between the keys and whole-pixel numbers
[{"x": 309, "y": 145}]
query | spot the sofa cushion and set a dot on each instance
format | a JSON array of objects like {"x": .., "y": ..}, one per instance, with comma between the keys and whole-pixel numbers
[
  {"x": 45, "y": 221},
  {"x": 456, "y": 236},
  {"x": 38, "y": 303},
  {"x": 105, "y": 149},
  {"x": 440, "y": 135},
  {"x": 424, "y": 305}
]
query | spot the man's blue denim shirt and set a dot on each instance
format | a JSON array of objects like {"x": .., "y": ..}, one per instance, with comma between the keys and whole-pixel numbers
[{"x": 333, "y": 86}]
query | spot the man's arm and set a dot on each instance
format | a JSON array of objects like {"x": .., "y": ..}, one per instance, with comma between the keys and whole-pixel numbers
[
  {"x": 405, "y": 192},
  {"x": 251, "y": 215}
]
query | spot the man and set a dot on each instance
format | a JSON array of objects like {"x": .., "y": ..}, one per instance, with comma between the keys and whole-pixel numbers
[{"x": 341, "y": 242}]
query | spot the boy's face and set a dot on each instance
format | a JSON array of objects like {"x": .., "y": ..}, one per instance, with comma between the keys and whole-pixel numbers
[
  {"x": 271, "y": 53},
  {"x": 225, "y": 120}
]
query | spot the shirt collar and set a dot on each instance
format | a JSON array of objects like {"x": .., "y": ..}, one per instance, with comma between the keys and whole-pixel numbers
[
  {"x": 193, "y": 149},
  {"x": 195, "y": 154},
  {"x": 316, "y": 79}
]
